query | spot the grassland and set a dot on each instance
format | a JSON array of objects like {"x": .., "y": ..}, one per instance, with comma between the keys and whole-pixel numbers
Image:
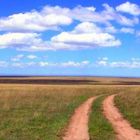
[
  {"x": 68, "y": 80},
  {"x": 99, "y": 127},
  {"x": 129, "y": 103},
  {"x": 41, "y": 111},
  {"x": 38, "y": 112}
]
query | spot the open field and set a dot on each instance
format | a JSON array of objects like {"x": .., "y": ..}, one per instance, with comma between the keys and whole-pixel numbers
[
  {"x": 42, "y": 112},
  {"x": 38, "y": 112},
  {"x": 66, "y": 80}
]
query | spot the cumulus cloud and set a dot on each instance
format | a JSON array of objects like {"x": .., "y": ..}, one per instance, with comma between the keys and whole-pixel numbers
[
  {"x": 130, "y": 8},
  {"x": 105, "y": 16},
  {"x": 23, "y": 41},
  {"x": 113, "y": 15},
  {"x": 27, "y": 31},
  {"x": 15, "y": 39},
  {"x": 33, "y": 21},
  {"x": 48, "y": 19},
  {"x": 86, "y": 34}
]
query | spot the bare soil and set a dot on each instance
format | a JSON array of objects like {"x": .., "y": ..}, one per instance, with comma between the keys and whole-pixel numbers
[
  {"x": 78, "y": 126},
  {"x": 122, "y": 127}
]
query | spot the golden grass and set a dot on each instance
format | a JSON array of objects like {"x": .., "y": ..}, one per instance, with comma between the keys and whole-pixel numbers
[
  {"x": 41, "y": 112},
  {"x": 33, "y": 112},
  {"x": 129, "y": 103}
]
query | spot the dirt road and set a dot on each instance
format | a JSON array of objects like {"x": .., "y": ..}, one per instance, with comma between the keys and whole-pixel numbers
[
  {"x": 121, "y": 126},
  {"x": 78, "y": 127}
]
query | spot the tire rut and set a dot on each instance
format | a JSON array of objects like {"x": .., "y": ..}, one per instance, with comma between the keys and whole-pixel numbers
[
  {"x": 122, "y": 127},
  {"x": 78, "y": 126}
]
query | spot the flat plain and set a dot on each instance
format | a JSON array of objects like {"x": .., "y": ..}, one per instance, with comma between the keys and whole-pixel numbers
[{"x": 40, "y": 108}]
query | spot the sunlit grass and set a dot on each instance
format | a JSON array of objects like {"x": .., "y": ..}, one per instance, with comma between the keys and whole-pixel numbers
[
  {"x": 129, "y": 104},
  {"x": 38, "y": 112}
]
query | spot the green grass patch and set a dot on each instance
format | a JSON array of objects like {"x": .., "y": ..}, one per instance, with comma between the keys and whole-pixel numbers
[
  {"x": 128, "y": 104},
  {"x": 99, "y": 127}
]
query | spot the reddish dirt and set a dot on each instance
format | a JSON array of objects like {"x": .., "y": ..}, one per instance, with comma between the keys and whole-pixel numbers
[
  {"x": 121, "y": 126},
  {"x": 78, "y": 127}
]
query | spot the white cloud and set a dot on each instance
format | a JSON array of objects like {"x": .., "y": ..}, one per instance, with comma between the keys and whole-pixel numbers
[
  {"x": 23, "y": 64},
  {"x": 110, "y": 29},
  {"x": 75, "y": 64},
  {"x": 105, "y": 16},
  {"x": 86, "y": 35},
  {"x": 48, "y": 19},
  {"x": 87, "y": 27},
  {"x": 127, "y": 30},
  {"x": 24, "y": 41},
  {"x": 126, "y": 21},
  {"x": 34, "y": 21},
  {"x": 125, "y": 64},
  {"x": 31, "y": 56},
  {"x": 87, "y": 39},
  {"x": 17, "y": 57},
  {"x": 133, "y": 63},
  {"x": 15, "y": 39},
  {"x": 48, "y": 64},
  {"x": 94, "y": 29},
  {"x": 64, "y": 64},
  {"x": 130, "y": 8},
  {"x": 111, "y": 14},
  {"x": 102, "y": 61}
]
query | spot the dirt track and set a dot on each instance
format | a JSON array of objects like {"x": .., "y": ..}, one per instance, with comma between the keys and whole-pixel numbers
[
  {"x": 78, "y": 127},
  {"x": 121, "y": 126}
]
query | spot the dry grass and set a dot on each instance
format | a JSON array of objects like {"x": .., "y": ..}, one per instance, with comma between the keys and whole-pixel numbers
[
  {"x": 30, "y": 112},
  {"x": 39, "y": 112},
  {"x": 64, "y": 80},
  {"x": 129, "y": 103}
]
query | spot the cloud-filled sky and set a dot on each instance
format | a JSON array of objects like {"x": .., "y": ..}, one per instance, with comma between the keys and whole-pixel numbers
[{"x": 86, "y": 37}]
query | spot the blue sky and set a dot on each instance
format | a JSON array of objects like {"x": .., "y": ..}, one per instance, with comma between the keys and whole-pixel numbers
[{"x": 68, "y": 37}]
